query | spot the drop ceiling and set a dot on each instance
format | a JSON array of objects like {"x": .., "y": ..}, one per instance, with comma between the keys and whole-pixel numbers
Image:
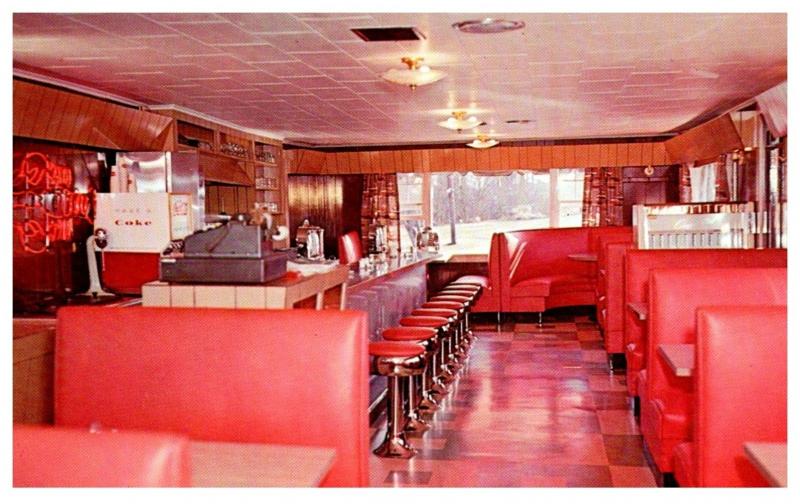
[{"x": 308, "y": 79}]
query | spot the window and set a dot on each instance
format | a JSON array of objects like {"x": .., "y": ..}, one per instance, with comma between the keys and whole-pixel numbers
[{"x": 466, "y": 208}]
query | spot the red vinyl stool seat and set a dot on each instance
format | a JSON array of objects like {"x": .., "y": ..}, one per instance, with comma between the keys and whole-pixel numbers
[
  {"x": 464, "y": 338},
  {"x": 451, "y": 350},
  {"x": 427, "y": 403},
  {"x": 480, "y": 281},
  {"x": 463, "y": 287},
  {"x": 50, "y": 456},
  {"x": 467, "y": 302},
  {"x": 439, "y": 370},
  {"x": 395, "y": 360}
]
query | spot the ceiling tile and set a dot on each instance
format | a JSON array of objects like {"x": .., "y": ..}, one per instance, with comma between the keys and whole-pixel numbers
[{"x": 307, "y": 76}]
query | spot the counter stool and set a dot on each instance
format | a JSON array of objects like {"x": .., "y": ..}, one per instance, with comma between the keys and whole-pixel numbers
[
  {"x": 468, "y": 301},
  {"x": 439, "y": 388},
  {"x": 426, "y": 404},
  {"x": 462, "y": 342},
  {"x": 452, "y": 361},
  {"x": 473, "y": 288},
  {"x": 480, "y": 281},
  {"x": 394, "y": 360}
]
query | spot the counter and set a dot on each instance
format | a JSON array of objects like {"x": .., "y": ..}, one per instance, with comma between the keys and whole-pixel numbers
[{"x": 387, "y": 295}]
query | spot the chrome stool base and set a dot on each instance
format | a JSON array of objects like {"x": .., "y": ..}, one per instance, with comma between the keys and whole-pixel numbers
[{"x": 395, "y": 447}]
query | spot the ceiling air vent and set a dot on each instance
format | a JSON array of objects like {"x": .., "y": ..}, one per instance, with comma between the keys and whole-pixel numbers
[{"x": 388, "y": 34}]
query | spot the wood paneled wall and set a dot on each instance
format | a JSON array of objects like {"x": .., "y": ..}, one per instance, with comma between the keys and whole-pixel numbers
[
  {"x": 704, "y": 142},
  {"x": 46, "y": 113},
  {"x": 641, "y": 189},
  {"x": 501, "y": 158},
  {"x": 331, "y": 202}
]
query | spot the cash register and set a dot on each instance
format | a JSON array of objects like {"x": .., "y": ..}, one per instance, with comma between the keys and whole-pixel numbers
[{"x": 235, "y": 251}]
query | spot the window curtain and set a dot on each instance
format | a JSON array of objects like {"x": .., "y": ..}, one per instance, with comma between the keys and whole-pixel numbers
[
  {"x": 380, "y": 203},
  {"x": 602, "y": 197},
  {"x": 708, "y": 182}
]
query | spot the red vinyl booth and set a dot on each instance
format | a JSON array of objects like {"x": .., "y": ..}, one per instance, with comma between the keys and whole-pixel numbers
[
  {"x": 611, "y": 294},
  {"x": 46, "y": 456},
  {"x": 295, "y": 377},
  {"x": 638, "y": 264},
  {"x": 674, "y": 297},
  {"x": 350, "y": 248},
  {"x": 739, "y": 394},
  {"x": 534, "y": 273},
  {"x": 489, "y": 300}
]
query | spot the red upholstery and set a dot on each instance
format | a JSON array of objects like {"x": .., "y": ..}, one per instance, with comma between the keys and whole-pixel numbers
[
  {"x": 638, "y": 264},
  {"x": 490, "y": 295},
  {"x": 683, "y": 465},
  {"x": 675, "y": 296},
  {"x": 423, "y": 321},
  {"x": 452, "y": 305},
  {"x": 740, "y": 393},
  {"x": 451, "y": 297},
  {"x": 350, "y": 248},
  {"x": 611, "y": 294},
  {"x": 472, "y": 280},
  {"x": 272, "y": 376},
  {"x": 435, "y": 312},
  {"x": 459, "y": 292},
  {"x": 46, "y": 456},
  {"x": 395, "y": 349},
  {"x": 408, "y": 333},
  {"x": 535, "y": 273}
]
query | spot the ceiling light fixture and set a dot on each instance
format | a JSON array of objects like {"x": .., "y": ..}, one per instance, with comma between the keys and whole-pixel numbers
[
  {"x": 483, "y": 142},
  {"x": 459, "y": 121},
  {"x": 417, "y": 74},
  {"x": 488, "y": 25}
]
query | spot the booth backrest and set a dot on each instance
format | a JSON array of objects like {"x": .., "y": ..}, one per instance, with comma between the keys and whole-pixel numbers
[
  {"x": 46, "y": 456},
  {"x": 350, "y": 248},
  {"x": 517, "y": 256},
  {"x": 612, "y": 318},
  {"x": 540, "y": 252},
  {"x": 600, "y": 236},
  {"x": 740, "y": 389},
  {"x": 259, "y": 376},
  {"x": 675, "y": 295},
  {"x": 639, "y": 263},
  {"x": 489, "y": 300}
]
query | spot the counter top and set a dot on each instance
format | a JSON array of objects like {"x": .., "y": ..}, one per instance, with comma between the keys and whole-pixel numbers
[{"x": 357, "y": 279}]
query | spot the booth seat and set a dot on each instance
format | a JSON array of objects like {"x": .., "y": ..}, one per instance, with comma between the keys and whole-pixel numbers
[
  {"x": 530, "y": 271},
  {"x": 46, "y": 456},
  {"x": 675, "y": 295},
  {"x": 739, "y": 394},
  {"x": 611, "y": 294},
  {"x": 535, "y": 272},
  {"x": 296, "y": 377},
  {"x": 639, "y": 263}
]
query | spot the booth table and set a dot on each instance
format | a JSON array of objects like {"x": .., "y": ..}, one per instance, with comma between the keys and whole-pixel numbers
[
  {"x": 770, "y": 460},
  {"x": 640, "y": 309},
  {"x": 679, "y": 357},
  {"x": 216, "y": 464}
]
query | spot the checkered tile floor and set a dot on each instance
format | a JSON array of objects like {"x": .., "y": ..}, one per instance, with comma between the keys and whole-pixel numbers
[{"x": 534, "y": 408}]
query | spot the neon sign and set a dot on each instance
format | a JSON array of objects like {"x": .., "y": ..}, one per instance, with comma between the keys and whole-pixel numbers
[{"x": 44, "y": 195}]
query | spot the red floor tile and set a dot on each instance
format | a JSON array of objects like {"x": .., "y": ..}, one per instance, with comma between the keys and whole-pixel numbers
[{"x": 533, "y": 408}]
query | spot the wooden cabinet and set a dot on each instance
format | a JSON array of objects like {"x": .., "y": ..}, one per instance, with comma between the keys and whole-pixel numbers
[{"x": 241, "y": 168}]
